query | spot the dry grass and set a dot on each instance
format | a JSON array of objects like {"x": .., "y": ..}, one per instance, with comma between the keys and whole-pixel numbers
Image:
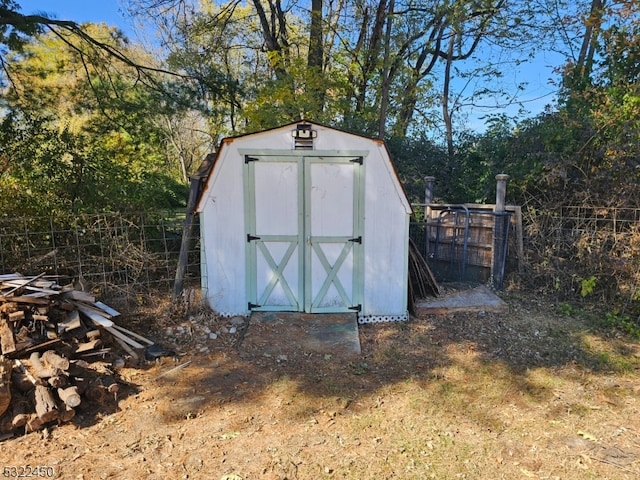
[{"x": 528, "y": 394}]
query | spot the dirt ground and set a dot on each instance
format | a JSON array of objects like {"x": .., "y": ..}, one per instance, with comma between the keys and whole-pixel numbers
[{"x": 531, "y": 393}]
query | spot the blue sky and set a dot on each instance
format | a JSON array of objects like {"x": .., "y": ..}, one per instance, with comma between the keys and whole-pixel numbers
[{"x": 108, "y": 11}]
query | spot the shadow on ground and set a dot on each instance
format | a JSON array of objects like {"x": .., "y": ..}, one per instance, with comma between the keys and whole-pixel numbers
[{"x": 507, "y": 347}]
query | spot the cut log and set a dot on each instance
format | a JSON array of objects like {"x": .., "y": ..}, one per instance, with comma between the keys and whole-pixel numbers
[
  {"x": 59, "y": 381},
  {"x": 15, "y": 316},
  {"x": 5, "y": 384},
  {"x": 9, "y": 307},
  {"x": 38, "y": 369},
  {"x": 66, "y": 413},
  {"x": 7, "y": 342},
  {"x": 54, "y": 360},
  {"x": 34, "y": 423},
  {"x": 19, "y": 415},
  {"x": 46, "y": 407},
  {"x": 69, "y": 396},
  {"x": 93, "y": 335}
]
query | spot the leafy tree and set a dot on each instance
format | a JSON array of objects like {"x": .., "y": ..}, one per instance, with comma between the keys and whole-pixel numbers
[{"x": 70, "y": 144}]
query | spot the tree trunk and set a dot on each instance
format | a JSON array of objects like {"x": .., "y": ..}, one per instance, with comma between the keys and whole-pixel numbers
[
  {"x": 384, "y": 94},
  {"x": 315, "y": 58},
  {"x": 584, "y": 63},
  {"x": 446, "y": 114}
]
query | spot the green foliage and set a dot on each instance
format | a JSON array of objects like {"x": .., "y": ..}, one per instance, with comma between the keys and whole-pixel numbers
[
  {"x": 15, "y": 31},
  {"x": 81, "y": 137},
  {"x": 587, "y": 286},
  {"x": 623, "y": 322},
  {"x": 416, "y": 158},
  {"x": 567, "y": 309}
]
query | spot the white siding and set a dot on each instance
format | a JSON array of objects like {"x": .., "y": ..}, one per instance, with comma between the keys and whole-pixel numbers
[
  {"x": 222, "y": 232},
  {"x": 386, "y": 213}
]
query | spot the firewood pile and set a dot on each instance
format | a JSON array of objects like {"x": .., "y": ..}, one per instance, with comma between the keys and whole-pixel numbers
[{"x": 50, "y": 337}]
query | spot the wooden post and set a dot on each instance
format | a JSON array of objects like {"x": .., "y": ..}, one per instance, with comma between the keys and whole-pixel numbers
[
  {"x": 428, "y": 193},
  {"x": 428, "y": 200},
  {"x": 500, "y": 232},
  {"x": 501, "y": 191}
]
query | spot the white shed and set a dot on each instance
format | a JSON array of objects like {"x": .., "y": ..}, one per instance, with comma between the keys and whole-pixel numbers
[{"x": 304, "y": 218}]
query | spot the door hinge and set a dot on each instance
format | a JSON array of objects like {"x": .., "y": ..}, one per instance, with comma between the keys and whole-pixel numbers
[
  {"x": 356, "y": 240},
  {"x": 253, "y": 305},
  {"x": 251, "y": 237},
  {"x": 359, "y": 160},
  {"x": 356, "y": 308},
  {"x": 248, "y": 159}
]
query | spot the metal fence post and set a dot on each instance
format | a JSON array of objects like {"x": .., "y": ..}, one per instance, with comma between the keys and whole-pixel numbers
[{"x": 500, "y": 232}]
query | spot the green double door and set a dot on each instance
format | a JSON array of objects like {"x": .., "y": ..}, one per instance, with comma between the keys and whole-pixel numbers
[{"x": 304, "y": 222}]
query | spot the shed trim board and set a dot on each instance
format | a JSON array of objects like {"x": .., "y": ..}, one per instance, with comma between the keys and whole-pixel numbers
[{"x": 271, "y": 241}]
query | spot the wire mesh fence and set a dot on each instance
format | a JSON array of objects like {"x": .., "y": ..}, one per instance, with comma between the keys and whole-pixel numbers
[
  {"x": 571, "y": 245},
  {"x": 130, "y": 254},
  {"x": 109, "y": 253},
  {"x": 568, "y": 247}
]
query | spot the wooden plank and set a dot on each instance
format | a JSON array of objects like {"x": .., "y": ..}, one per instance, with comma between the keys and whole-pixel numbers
[
  {"x": 7, "y": 342},
  {"x": 123, "y": 337},
  {"x": 128, "y": 349},
  {"x": 133, "y": 334},
  {"x": 26, "y": 299},
  {"x": 107, "y": 309},
  {"x": 10, "y": 276},
  {"x": 96, "y": 318},
  {"x": 30, "y": 347},
  {"x": 79, "y": 295},
  {"x": 28, "y": 281},
  {"x": 83, "y": 307}
]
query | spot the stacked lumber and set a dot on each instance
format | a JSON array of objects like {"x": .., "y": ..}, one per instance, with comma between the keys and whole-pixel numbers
[
  {"x": 48, "y": 333},
  {"x": 422, "y": 282}
]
